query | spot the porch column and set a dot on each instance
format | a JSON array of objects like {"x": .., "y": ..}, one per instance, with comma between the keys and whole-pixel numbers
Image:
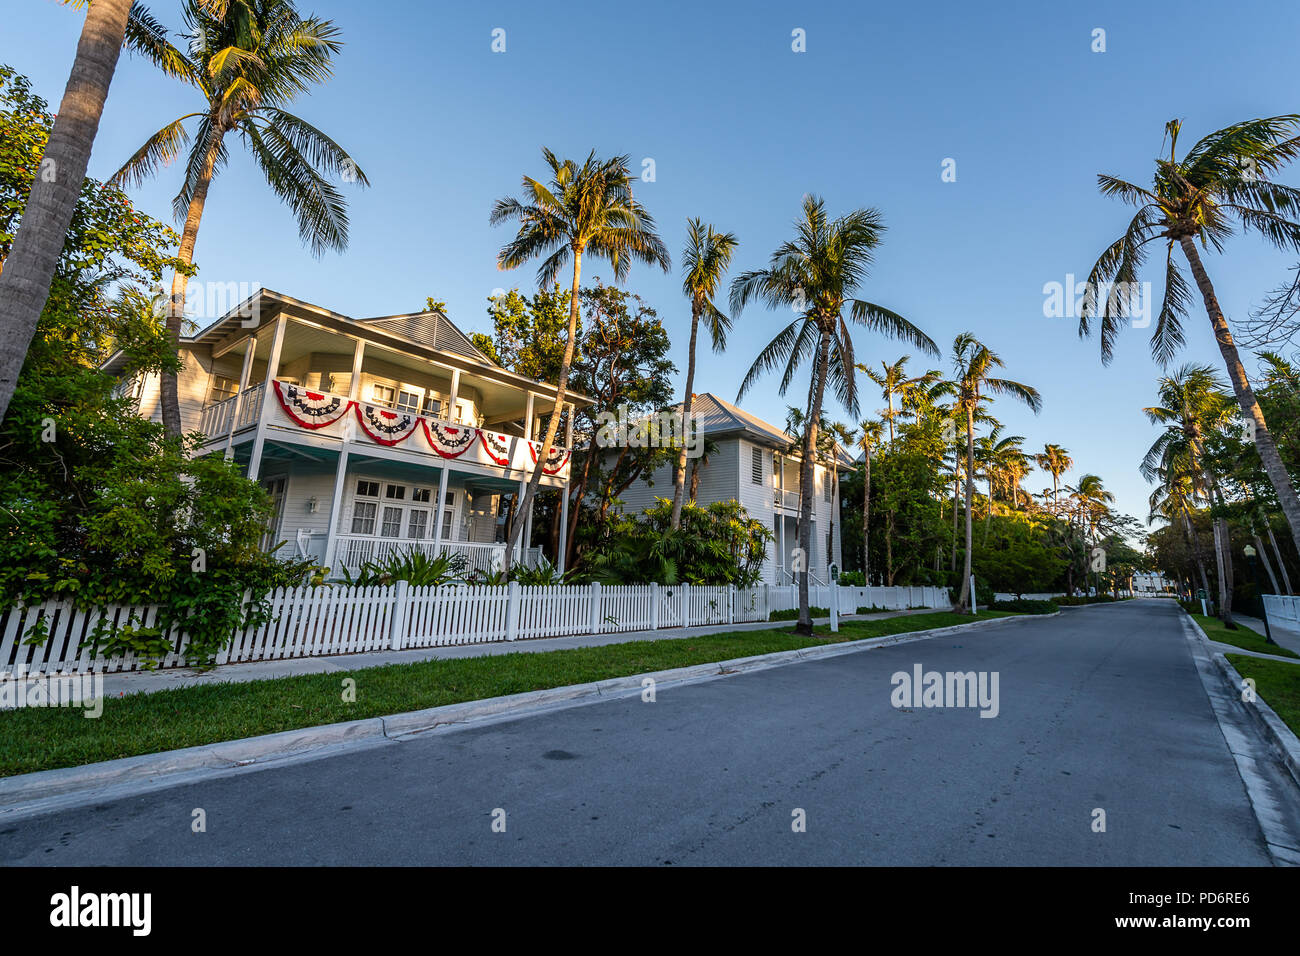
[
  {"x": 780, "y": 462},
  {"x": 437, "y": 512},
  {"x": 336, "y": 505},
  {"x": 564, "y": 528},
  {"x": 268, "y": 399},
  {"x": 568, "y": 426},
  {"x": 455, "y": 393},
  {"x": 528, "y": 419},
  {"x": 354, "y": 383},
  {"x": 528, "y": 527},
  {"x": 244, "y": 372}
]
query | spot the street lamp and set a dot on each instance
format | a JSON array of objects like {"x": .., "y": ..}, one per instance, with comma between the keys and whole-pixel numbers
[{"x": 1259, "y": 589}]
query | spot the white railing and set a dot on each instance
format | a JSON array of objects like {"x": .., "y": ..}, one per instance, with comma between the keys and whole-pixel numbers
[
  {"x": 352, "y": 551},
  {"x": 250, "y": 406},
  {"x": 215, "y": 419},
  {"x": 1282, "y": 607},
  {"x": 785, "y": 499},
  {"x": 309, "y": 622}
]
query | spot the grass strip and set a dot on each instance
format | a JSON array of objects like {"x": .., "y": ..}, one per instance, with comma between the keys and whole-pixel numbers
[
  {"x": 1276, "y": 682},
  {"x": 34, "y": 739},
  {"x": 1243, "y": 637}
]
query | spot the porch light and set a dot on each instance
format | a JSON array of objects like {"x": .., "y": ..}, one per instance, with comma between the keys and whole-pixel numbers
[{"x": 312, "y": 505}]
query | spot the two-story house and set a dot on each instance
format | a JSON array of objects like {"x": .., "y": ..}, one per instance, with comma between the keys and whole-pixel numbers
[
  {"x": 757, "y": 464},
  {"x": 372, "y": 435}
]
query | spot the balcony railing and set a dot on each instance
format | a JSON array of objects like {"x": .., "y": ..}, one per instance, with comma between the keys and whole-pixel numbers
[
  {"x": 352, "y": 551},
  {"x": 785, "y": 499},
  {"x": 240, "y": 410}
]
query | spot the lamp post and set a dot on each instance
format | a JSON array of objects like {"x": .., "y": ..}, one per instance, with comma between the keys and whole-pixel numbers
[{"x": 1259, "y": 590}]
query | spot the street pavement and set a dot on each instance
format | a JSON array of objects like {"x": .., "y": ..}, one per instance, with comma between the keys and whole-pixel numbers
[{"x": 1099, "y": 709}]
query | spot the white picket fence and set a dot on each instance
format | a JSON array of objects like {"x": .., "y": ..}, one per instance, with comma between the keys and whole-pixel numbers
[
  {"x": 312, "y": 622},
  {"x": 1283, "y": 608}
]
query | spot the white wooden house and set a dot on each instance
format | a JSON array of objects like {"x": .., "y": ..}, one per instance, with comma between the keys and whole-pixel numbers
[
  {"x": 372, "y": 435},
  {"x": 754, "y": 464}
]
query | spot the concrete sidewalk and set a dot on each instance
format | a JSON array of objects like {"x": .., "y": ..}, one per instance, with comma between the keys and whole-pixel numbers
[
  {"x": 145, "y": 682},
  {"x": 1285, "y": 633}
]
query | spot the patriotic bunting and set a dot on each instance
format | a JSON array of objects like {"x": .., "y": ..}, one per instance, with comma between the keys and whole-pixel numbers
[
  {"x": 555, "y": 461},
  {"x": 449, "y": 441},
  {"x": 310, "y": 409},
  {"x": 386, "y": 427},
  {"x": 497, "y": 446}
]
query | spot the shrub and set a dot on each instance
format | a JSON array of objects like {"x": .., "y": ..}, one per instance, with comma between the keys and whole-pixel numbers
[
  {"x": 792, "y": 614},
  {"x": 1025, "y": 606},
  {"x": 414, "y": 566}
]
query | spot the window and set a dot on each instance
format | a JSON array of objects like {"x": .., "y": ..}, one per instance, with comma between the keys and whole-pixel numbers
[
  {"x": 432, "y": 405},
  {"x": 363, "y": 517},
  {"x": 421, "y": 495},
  {"x": 221, "y": 389},
  {"x": 395, "y": 492},
  {"x": 392, "y": 526},
  {"x": 826, "y": 486},
  {"x": 756, "y": 466},
  {"x": 276, "y": 488},
  {"x": 367, "y": 489},
  {"x": 383, "y": 395},
  {"x": 417, "y": 526},
  {"x": 408, "y": 401}
]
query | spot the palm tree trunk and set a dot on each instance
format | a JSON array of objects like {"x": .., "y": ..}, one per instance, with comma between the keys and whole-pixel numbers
[
  {"x": 169, "y": 400},
  {"x": 956, "y": 490},
  {"x": 1264, "y": 444},
  {"x": 29, "y": 267},
  {"x": 1194, "y": 540},
  {"x": 1281, "y": 562},
  {"x": 988, "y": 516},
  {"x": 554, "y": 424},
  {"x": 963, "y": 602},
  {"x": 1268, "y": 565},
  {"x": 679, "y": 474},
  {"x": 804, "y": 626},
  {"x": 866, "y": 515}
]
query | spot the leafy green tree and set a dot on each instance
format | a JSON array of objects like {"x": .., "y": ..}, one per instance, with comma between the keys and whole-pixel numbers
[{"x": 528, "y": 333}]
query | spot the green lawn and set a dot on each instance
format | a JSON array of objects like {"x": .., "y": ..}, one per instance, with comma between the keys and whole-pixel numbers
[
  {"x": 45, "y": 738},
  {"x": 1276, "y": 682},
  {"x": 1242, "y": 637}
]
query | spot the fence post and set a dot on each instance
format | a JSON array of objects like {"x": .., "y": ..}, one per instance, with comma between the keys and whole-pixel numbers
[
  {"x": 767, "y": 601},
  {"x": 594, "y": 621},
  {"x": 685, "y": 591},
  {"x": 654, "y": 606},
  {"x": 512, "y": 610},
  {"x": 397, "y": 623},
  {"x": 731, "y": 604}
]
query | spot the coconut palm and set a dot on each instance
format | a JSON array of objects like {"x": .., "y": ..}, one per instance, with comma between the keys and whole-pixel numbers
[
  {"x": 817, "y": 274},
  {"x": 869, "y": 433},
  {"x": 974, "y": 363},
  {"x": 29, "y": 267},
  {"x": 705, "y": 261},
  {"x": 1192, "y": 405},
  {"x": 894, "y": 382},
  {"x": 1223, "y": 178},
  {"x": 1056, "y": 461},
  {"x": 246, "y": 67},
  {"x": 584, "y": 209}
]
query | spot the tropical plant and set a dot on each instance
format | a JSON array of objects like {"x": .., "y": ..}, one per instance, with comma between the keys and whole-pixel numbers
[
  {"x": 816, "y": 274},
  {"x": 895, "y": 383},
  {"x": 587, "y": 209},
  {"x": 974, "y": 363},
  {"x": 1056, "y": 461},
  {"x": 1222, "y": 178},
  {"x": 416, "y": 567},
  {"x": 705, "y": 260},
  {"x": 246, "y": 67}
]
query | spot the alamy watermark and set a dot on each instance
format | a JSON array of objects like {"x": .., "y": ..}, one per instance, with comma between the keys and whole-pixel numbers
[
  {"x": 665, "y": 429},
  {"x": 922, "y": 688},
  {"x": 1070, "y": 299},
  {"x": 18, "y": 689}
]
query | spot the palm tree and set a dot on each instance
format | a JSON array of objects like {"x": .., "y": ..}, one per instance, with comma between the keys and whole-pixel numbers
[
  {"x": 705, "y": 260},
  {"x": 870, "y": 431},
  {"x": 247, "y": 67},
  {"x": 1000, "y": 467},
  {"x": 1192, "y": 405},
  {"x": 1221, "y": 178},
  {"x": 893, "y": 380},
  {"x": 816, "y": 274},
  {"x": 29, "y": 267},
  {"x": 1056, "y": 461},
  {"x": 973, "y": 362},
  {"x": 584, "y": 209}
]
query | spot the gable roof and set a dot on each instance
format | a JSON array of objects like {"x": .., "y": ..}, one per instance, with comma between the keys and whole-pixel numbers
[
  {"x": 717, "y": 416},
  {"x": 432, "y": 329}
]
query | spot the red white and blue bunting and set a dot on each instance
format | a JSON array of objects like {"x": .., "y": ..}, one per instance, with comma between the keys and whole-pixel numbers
[
  {"x": 497, "y": 446},
  {"x": 387, "y": 427},
  {"x": 449, "y": 441},
  {"x": 310, "y": 409},
  {"x": 555, "y": 461}
]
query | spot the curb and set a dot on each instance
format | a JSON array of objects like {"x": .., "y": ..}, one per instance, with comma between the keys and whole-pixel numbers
[
  {"x": 1271, "y": 726},
  {"x": 21, "y": 792}
]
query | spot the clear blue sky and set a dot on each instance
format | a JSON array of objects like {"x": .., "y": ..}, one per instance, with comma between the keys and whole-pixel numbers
[{"x": 740, "y": 127}]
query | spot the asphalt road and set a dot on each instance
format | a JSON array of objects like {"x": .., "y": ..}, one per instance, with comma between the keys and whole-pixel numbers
[{"x": 1099, "y": 708}]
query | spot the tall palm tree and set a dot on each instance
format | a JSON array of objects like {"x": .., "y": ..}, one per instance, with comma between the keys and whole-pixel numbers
[
  {"x": 974, "y": 363},
  {"x": 817, "y": 274},
  {"x": 869, "y": 432},
  {"x": 894, "y": 381},
  {"x": 705, "y": 261},
  {"x": 1174, "y": 499},
  {"x": 246, "y": 67},
  {"x": 1222, "y": 178},
  {"x": 999, "y": 455},
  {"x": 1056, "y": 461},
  {"x": 29, "y": 267},
  {"x": 1192, "y": 405},
  {"x": 584, "y": 209}
]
